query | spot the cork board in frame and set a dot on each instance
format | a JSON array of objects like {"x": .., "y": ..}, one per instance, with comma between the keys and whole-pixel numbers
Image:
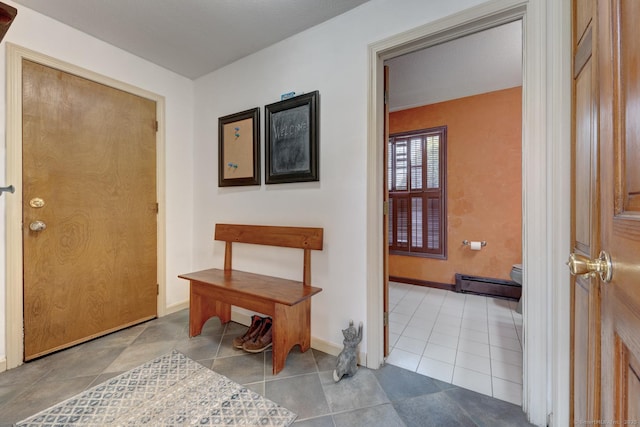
[{"x": 239, "y": 149}]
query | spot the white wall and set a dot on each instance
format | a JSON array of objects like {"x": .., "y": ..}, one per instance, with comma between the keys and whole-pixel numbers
[
  {"x": 39, "y": 33},
  {"x": 331, "y": 58}
]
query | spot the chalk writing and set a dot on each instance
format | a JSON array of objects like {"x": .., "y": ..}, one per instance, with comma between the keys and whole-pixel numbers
[{"x": 290, "y": 151}]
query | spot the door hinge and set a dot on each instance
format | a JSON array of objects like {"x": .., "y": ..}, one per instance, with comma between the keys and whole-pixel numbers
[
  {"x": 385, "y": 207},
  {"x": 386, "y": 97},
  {"x": 157, "y": 288},
  {"x": 157, "y": 208},
  {"x": 385, "y": 318},
  {"x": 156, "y": 126}
]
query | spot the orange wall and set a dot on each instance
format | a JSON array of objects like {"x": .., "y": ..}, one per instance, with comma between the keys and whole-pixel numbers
[{"x": 484, "y": 185}]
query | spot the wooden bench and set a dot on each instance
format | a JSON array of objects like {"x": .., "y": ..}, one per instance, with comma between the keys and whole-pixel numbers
[{"x": 288, "y": 302}]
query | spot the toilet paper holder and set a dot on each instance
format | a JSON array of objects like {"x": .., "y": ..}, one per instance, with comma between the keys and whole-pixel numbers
[{"x": 468, "y": 243}]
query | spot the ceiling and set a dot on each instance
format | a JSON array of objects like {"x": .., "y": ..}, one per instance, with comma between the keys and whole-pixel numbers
[
  {"x": 196, "y": 37},
  {"x": 191, "y": 37},
  {"x": 482, "y": 62}
]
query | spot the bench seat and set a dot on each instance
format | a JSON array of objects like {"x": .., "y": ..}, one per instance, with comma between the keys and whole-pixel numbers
[
  {"x": 254, "y": 286},
  {"x": 214, "y": 291}
]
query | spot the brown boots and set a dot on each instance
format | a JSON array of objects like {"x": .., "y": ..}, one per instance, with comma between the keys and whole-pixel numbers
[
  {"x": 262, "y": 339},
  {"x": 258, "y": 337},
  {"x": 256, "y": 324}
]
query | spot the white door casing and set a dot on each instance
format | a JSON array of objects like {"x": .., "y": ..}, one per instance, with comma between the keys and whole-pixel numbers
[
  {"x": 14, "y": 262},
  {"x": 546, "y": 188}
]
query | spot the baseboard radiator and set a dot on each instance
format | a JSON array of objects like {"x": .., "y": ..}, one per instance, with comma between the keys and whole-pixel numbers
[{"x": 487, "y": 286}]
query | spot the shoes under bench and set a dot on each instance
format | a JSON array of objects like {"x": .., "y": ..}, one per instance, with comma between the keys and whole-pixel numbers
[{"x": 258, "y": 337}]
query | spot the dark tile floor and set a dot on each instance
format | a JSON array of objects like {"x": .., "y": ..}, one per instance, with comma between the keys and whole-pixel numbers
[{"x": 389, "y": 396}]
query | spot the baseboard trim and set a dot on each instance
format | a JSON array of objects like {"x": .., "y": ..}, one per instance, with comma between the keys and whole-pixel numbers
[
  {"x": 425, "y": 283},
  {"x": 325, "y": 346},
  {"x": 176, "y": 307},
  {"x": 488, "y": 286},
  {"x": 244, "y": 318}
]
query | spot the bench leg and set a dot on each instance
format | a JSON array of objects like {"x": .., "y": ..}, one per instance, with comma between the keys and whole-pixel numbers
[
  {"x": 203, "y": 308},
  {"x": 291, "y": 326}
]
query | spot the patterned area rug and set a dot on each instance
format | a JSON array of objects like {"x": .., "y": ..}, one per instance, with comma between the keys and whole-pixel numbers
[{"x": 171, "y": 390}]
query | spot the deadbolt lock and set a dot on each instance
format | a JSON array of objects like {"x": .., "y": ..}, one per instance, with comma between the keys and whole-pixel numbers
[{"x": 36, "y": 202}]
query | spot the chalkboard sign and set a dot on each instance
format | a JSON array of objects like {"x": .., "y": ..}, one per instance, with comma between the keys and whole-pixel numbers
[{"x": 291, "y": 139}]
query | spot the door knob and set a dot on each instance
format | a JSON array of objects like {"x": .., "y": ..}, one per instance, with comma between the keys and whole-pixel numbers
[
  {"x": 581, "y": 265},
  {"x": 37, "y": 226}
]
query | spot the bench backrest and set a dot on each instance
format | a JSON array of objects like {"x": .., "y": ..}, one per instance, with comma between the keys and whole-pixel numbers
[{"x": 306, "y": 238}]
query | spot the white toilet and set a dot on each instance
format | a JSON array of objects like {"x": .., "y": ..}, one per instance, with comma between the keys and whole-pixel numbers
[{"x": 516, "y": 276}]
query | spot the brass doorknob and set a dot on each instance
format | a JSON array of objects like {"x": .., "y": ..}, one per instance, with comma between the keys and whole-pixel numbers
[{"x": 581, "y": 265}]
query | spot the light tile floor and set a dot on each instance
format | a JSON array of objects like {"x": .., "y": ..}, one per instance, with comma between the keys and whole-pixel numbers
[
  {"x": 471, "y": 341},
  {"x": 389, "y": 396}
]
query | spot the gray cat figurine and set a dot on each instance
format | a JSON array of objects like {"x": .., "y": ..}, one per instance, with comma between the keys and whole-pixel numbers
[{"x": 347, "y": 359}]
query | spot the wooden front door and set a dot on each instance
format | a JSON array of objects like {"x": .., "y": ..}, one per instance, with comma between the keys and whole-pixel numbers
[
  {"x": 89, "y": 209},
  {"x": 606, "y": 304}
]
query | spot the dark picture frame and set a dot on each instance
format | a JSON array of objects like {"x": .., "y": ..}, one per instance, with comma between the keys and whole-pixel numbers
[
  {"x": 291, "y": 139},
  {"x": 239, "y": 148}
]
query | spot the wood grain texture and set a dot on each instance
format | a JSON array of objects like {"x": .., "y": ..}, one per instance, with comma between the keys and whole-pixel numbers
[
  {"x": 619, "y": 130},
  {"x": 585, "y": 155},
  {"x": 583, "y": 15},
  {"x": 585, "y": 291},
  {"x": 628, "y": 173},
  {"x": 7, "y": 16},
  {"x": 288, "y": 302},
  {"x": 268, "y": 288},
  {"x": 89, "y": 151},
  {"x": 287, "y": 237}
]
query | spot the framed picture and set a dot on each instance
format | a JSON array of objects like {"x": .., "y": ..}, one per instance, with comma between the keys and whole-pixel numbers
[
  {"x": 291, "y": 139},
  {"x": 239, "y": 149}
]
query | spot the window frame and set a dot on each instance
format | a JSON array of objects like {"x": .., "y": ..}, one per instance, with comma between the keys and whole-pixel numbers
[{"x": 424, "y": 193}]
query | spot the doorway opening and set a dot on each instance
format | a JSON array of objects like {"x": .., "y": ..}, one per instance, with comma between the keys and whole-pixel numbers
[
  {"x": 470, "y": 191},
  {"x": 545, "y": 209},
  {"x": 14, "y": 264}
]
